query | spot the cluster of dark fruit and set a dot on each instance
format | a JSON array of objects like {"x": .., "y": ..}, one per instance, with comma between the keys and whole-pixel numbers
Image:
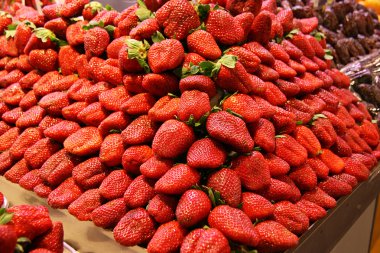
[{"x": 351, "y": 29}]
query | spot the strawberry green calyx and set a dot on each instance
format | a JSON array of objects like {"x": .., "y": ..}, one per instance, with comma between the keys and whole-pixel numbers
[
  {"x": 211, "y": 69},
  {"x": 92, "y": 24},
  {"x": 280, "y": 136},
  {"x": 315, "y": 117},
  {"x": 5, "y": 14},
  {"x": 143, "y": 12},
  {"x": 77, "y": 19},
  {"x": 157, "y": 37},
  {"x": 202, "y": 10},
  {"x": 318, "y": 35},
  {"x": 193, "y": 70},
  {"x": 292, "y": 33},
  {"x": 328, "y": 55},
  {"x": 44, "y": 34},
  {"x": 11, "y": 31},
  {"x": 234, "y": 113},
  {"x": 23, "y": 243},
  {"x": 95, "y": 6},
  {"x": 139, "y": 50},
  {"x": 5, "y": 217}
]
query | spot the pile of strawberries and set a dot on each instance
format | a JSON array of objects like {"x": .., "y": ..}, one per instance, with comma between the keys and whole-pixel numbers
[
  {"x": 186, "y": 127},
  {"x": 27, "y": 228}
]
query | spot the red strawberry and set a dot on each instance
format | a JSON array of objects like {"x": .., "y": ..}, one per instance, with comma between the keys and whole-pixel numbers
[
  {"x": 162, "y": 208},
  {"x": 54, "y": 102},
  {"x": 234, "y": 224},
  {"x": 133, "y": 83},
  {"x": 58, "y": 26},
  {"x": 267, "y": 73},
  {"x": 347, "y": 178},
  {"x": 160, "y": 84},
  {"x": 84, "y": 142},
  {"x": 252, "y": 170},
  {"x": 129, "y": 62},
  {"x": 6, "y": 162},
  {"x": 28, "y": 101},
  {"x": 60, "y": 131},
  {"x": 302, "y": 110},
  {"x": 335, "y": 188},
  {"x": 137, "y": 225},
  {"x": 288, "y": 215},
  {"x": 193, "y": 104},
  {"x": 276, "y": 165},
  {"x": 334, "y": 162},
  {"x": 220, "y": 124},
  {"x": 294, "y": 52},
  {"x": 4, "y": 127},
  {"x": 204, "y": 44},
  {"x": 22, "y": 35},
  {"x": 139, "y": 192},
  {"x": 341, "y": 148},
  {"x": 26, "y": 139},
  {"x": 127, "y": 20},
  {"x": 93, "y": 114},
  {"x": 312, "y": 210},
  {"x": 45, "y": 84},
  {"x": 114, "y": 47},
  {"x": 278, "y": 52},
  {"x": 320, "y": 168},
  {"x": 263, "y": 134},
  {"x": 11, "y": 116},
  {"x": 134, "y": 156},
  {"x": 247, "y": 58},
  {"x": 357, "y": 144},
  {"x": 145, "y": 29},
  {"x": 36, "y": 155},
  {"x": 95, "y": 41},
  {"x": 206, "y": 154},
  {"x": 238, "y": 104},
  {"x": 265, "y": 56},
  {"x": 83, "y": 206},
  {"x": 304, "y": 177},
  {"x": 323, "y": 129},
  {"x": 256, "y": 206},
  {"x": 285, "y": 18},
  {"x": 164, "y": 109},
  {"x": 261, "y": 28},
  {"x": 30, "y": 180},
  {"x": 82, "y": 66},
  {"x": 310, "y": 65},
  {"x": 141, "y": 130},
  {"x": 13, "y": 94},
  {"x": 112, "y": 150},
  {"x": 320, "y": 198},
  {"x": 308, "y": 140},
  {"x": 64, "y": 194},
  {"x": 109, "y": 214},
  {"x": 115, "y": 184},
  {"x": 165, "y": 55},
  {"x": 338, "y": 124},
  {"x": 73, "y": 8},
  {"x": 138, "y": 104},
  {"x": 168, "y": 238},
  {"x": 12, "y": 77},
  {"x": 112, "y": 99},
  {"x": 17, "y": 171},
  {"x": 42, "y": 190},
  {"x": 367, "y": 159},
  {"x": 290, "y": 150},
  {"x": 234, "y": 79},
  {"x": 116, "y": 121},
  {"x": 284, "y": 121},
  {"x": 298, "y": 67},
  {"x": 181, "y": 176},
  {"x": 90, "y": 173},
  {"x": 106, "y": 16},
  {"x": 356, "y": 169},
  {"x": 30, "y": 221},
  {"x": 45, "y": 60},
  {"x": 224, "y": 28},
  {"x": 3, "y": 108},
  {"x": 66, "y": 58},
  {"x": 284, "y": 70},
  {"x": 31, "y": 117},
  {"x": 111, "y": 74},
  {"x": 301, "y": 41},
  {"x": 47, "y": 122},
  {"x": 274, "y": 237},
  {"x": 237, "y": 7},
  {"x": 155, "y": 167},
  {"x": 51, "y": 240},
  {"x": 193, "y": 207},
  {"x": 202, "y": 240},
  {"x": 308, "y": 83}
]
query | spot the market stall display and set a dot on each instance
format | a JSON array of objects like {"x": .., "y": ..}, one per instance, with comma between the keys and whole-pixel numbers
[{"x": 172, "y": 122}]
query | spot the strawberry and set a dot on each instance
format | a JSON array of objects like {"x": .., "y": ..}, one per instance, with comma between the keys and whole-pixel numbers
[
  {"x": 290, "y": 150},
  {"x": 193, "y": 207},
  {"x": 51, "y": 11},
  {"x": 111, "y": 74},
  {"x": 47, "y": 122},
  {"x": 67, "y": 57},
  {"x": 114, "y": 47},
  {"x": 202, "y": 240},
  {"x": 44, "y": 85},
  {"x": 115, "y": 184},
  {"x": 357, "y": 144},
  {"x": 224, "y": 28},
  {"x": 136, "y": 227},
  {"x": 278, "y": 52},
  {"x": 64, "y": 194},
  {"x": 23, "y": 63},
  {"x": 347, "y": 178},
  {"x": 319, "y": 197},
  {"x": 41, "y": 250},
  {"x": 321, "y": 63},
  {"x": 112, "y": 99},
  {"x": 324, "y": 131},
  {"x": 285, "y": 18},
  {"x": 261, "y": 28},
  {"x": 234, "y": 224},
  {"x": 6, "y": 161},
  {"x": 83, "y": 206},
  {"x": 4, "y": 127},
  {"x": 367, "y": 159},
  {"x": 42, "y": 190},
  {"x": 112, "y": 150},
  {"x": 127, "y": 20},
  {"x": 30, "y": 180},
  {"x": 206, "y": 154},
  {"x": 338, "y": 123},
  {"x": 356, "y": 169},
  {"x": 294, "y": 52},
  {"x": 184, "y": 137},
  {"x": 310, "y": 65},
  {"x": 54, "y": 102},
  {"x": 3, "y": 108},
  {"x": 335, "y": 188},
  {"x": 5, "y": 20},
  {"x": 334, "y": 162},
  {"x": 8, "y": 238},
  {"x": 11, "y": 116},
  {"x": 295, "y": 194},
  {"x": 95, "y": 41},
  {"x": 84, "y": 142},
  {"x": 80, "y": 90},
  {"x": 109, "y": 214},
  {"x": 341, "y": 148},
  {"x": 299, "y": 68},
  {"x": 36, "y": 155},
  {"x": 131, "y": 59},
  {"x": 31, "y": 117},
  {"x": 133, "y": 83},
  {"x": 320, "y": 168},
  {"x": 274, "y": 237},
  {"x": 300, "y": 40},
  {"x": 93, "y": 114},
  {"x": 209, "y": 49},
  {"x": 276, "y": 165},
  {"x": 90, "y": 173},
  {"x": 82, "y": 66},
  {"x": 302, "y": 110},
  {"x": 238, "y": 103},
  {"x": 247, "y": 58},
  {"x": 139, "y": 192},
  {"x": 160, "y": 85},
  {"x": 13, "y": 94},
  {"x": 192, "y": 58},
  {"x": 193, "y": 105},
  {"x": 51, "y": 240},
  {"x": 141, "y": 130},
  {"x": 28, "y": 101},
  {"x": 267, "y": 73},
  {"x": 45, "y": 60},
  {"x": 164, "y": 109},
  {"x": 288, "y": 215},
  {"x": 220, "y": 124},
  {"x": 134, "y": 156},
  {"x": 25, "y": 140},
  {"x": 363, "y": 108},
  {"x": 145, "y": 29},
  {"x": 168, "y": 237},
  {"x": 284, "y": 121},
  {"x": 106, "y": 16},
  {"x": 60, "y": 131},
  {"x": 343, "y": 95},
  {"x": 369, "y": 133},
  {"x": 73, "y": 8},
  {"x": 30, "y": 221},
  {"x": 306, "y": 25},
  {"x": 308, "y": 140},
  {"x": 284, "y": 70},
  {"x": 116, "y": 121},
  {"x": 17, "y": 171},
  {"x": 58, "y": 26},
  {"x": 234, "y": 79},
  {"x": 311, "y": 210},
  {"x": 181, "y": 176},
  {"x": 165, "y": 55},
  {"x": 155, "y": 167},
  {"x": 304, "y": 177},
  {"x": 263, "y": 134},
  {"x": 178, "y": 18},
  {"x": 252, "y": 170},
  {"x": 256, "y": 206},
  {"x": 308, "y": 83},
  {"x": 12, "y": 77},
  {"x": 162, "y": 208},
  {"x": 327, "y": 80},
  {"x": 138, "y": 104}
]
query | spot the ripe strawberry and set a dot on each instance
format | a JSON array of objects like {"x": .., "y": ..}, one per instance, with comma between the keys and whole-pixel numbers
[
  {"x": 155, "y": 167},
  {"x": 30, "y": 221},
  {"x": 304, "y": 177},
  {"x": 139, "y": 131},
  {"x": 267, "y": 73},
  {"x": 369, "y": 133},
  {"x": 45, "y": 84},
  {"x": 290, "y": 150},
  {"x": 112, "y": 99},
  {"x": 311, "y": 210},
  {"x": 206, "y": 154},
  {"x": 335, "y": 188},
  {"x": 64, "y": 194},
  {"x": 278, "y": 52},
  {"x": 181, "y": 176},
  {"x": 138, "y": 104},
  {"x": 112, "y": 150},
  {"x": 308, "y": 83},
  {"x": 247, "y": 58},
  {"x": 347, "y": 178},
  {"x": 341, "y": 148},
  {"x": 327, "y": 80},
  {"x": 160, "y": 84},
  {"x": 302, "y": 110},
  {"x": 343, "y": 95},
  {"x": 116, "y": 121},
  {"x": 330, "y": 99},
  {"x": 109, "y": 214},
  {"x": 11, "y": 116},
  {"x": 220, "y": 124},
  {"x": 320, "y": 198},
  {"x": 41, "y": 250},
  {"x": 131, "y": 64},
  {"x": 58, "y": 167},
  {"x": 106, "y": 16},
  {"x": 95, "y": 41},
  {"x": 90, "y": 173},
  {"x": 45, "y": 60},
  {"x": 84, "y": 142},
  {"x": 28, "y": 101},
  {"x": 308, "y": 140},
  {"x": 114, "y": 47},
  {"x": 6, "y": 162},
  {"x": 58, "y": 26},
  {"x": 82, "y": 66},
  {"x": 204, "y": 44},
  {"x": 284, "y": 121},
  {"x": 60, "y": 131},
  {"x": 81, "y": 91},
  {"x": 334, "y": 162},
  {"x": 22, "y": 35},
  {"x": 276, "y": 165},
  {"x": 47, "y": 122},
  {"x": 8, "y": 238},
  {"x": 285, "y": 18},
  {"x": 165, "y": 55},
  {"x": 54, "y": 102},
  {"x": 25, "y": 140},
  {"x": 324, "y": 131},
  {"x": 301, "y": 41},
  {"x": 139, "y": 192},
  {"x": 145, "y": 29},
  {"x": 111, "y": 74},
  {"x": 162, "y": 208},
  {"x": 356, "y": 169},
  {"x": 115, "y": 184},
  {"x": 193, "y": 207},
  {"x": 235, "y": 79},
  {"x": 3, "y": 108},
  {"x": 193, "y": 104},
  {"x": 224, "y": 28},
  {"x": 238, "y": 104},
  {"x": 256, "y": 206},
  {"x": 310, "y": 65},
  {"x": 288, "y": 215},
  {"x": 42, "y": 190},
  {"x": 73, "y": 8},
  {"x": 12, "y": 77},
  {"x": 67, "y": 57},
  {"x": 134, "y": 156},
  {"x": 13, "y": 94},
  {"x": 263, "y": 134},
  {"x": 357, "y": 144},
  {"x": 234, "y": 224},
  {"x": 320, "y": 168},
  {"x": 367, "y": 159},
  {"x": 32, "y": 117},
  {"x": 133, "y": 83},
  {"x": 306, "y": 25},
  {"x": 4, "y": 127},
  {"x": 294, "y": 52},
  {"x": 274, "y": 237},
  {"x": 51, "y": 240},
  {"x": 93, "y": 114},
  {"x": 298, "y": 67},
  {"x": 23, "y": 63},
  {"x": 30, "y": 180},
  {"x": 83, "y": 206},
  {"x": 16, "y": 172},
  {"x": 202, "y": 240},
  {"x": 36, "y": 155},
  {"x": 168, "y": 238},
  {"x": 136, "y": 227},
  {"x": 192, "y": 58},
  {"x": 261, "y": 28},
  {"x": 338, "y": 124},
  {"x": 164, "y": 109},
  {"x": 127, "y": 20}
]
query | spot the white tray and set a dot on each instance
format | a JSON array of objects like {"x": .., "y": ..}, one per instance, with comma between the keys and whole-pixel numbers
[{"x": 6, "y": 203}]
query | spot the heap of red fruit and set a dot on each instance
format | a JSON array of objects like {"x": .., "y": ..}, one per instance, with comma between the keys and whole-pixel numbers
[
  {"x": 27, "y": 228},
  {"x": 183, "y": 127}
]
